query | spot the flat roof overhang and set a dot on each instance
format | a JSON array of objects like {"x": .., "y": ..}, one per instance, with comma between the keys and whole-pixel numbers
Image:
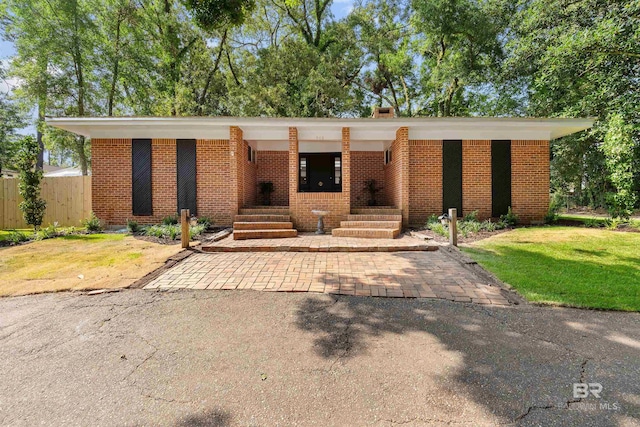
[{"x": 323, "y": 129}]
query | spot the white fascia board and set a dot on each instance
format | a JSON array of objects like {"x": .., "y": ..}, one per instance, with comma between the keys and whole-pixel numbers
[{"x": 319, "y": 129}]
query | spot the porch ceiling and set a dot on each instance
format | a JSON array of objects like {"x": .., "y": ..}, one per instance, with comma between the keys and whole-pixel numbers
[{"x": 322, "y": 129}]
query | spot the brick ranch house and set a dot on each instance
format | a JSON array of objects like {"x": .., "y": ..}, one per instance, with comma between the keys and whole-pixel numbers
[{"x": 145, "y": 168}]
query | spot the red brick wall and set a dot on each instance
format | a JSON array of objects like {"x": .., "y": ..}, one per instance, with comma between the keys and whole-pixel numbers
[
  {"x": 476, "y": 177},
  {"x": 530, "y": 179},
  {"x": 396, "y": 174},
  {"x": 366, "y": 165},
  {"x": 301, "y": 204},
  {"x": 111, "y": 180},
  {"x": 273, "y": 166},
  {"x": 425, "y": 180},
  {"x": 215, "y": 193}
]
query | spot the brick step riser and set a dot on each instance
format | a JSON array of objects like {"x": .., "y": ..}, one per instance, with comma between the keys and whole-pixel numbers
[
  {"x": 371, "y": 224},
  {"x": 264, "y": 234},
  {"x": 376, "y": 211},
  {"x": 262, "y": 218},
  {"x": 361, "y": 217},
  {"x": 367, "y": 233},
  {"x": 262, "y": 225},
  {"x": 264, "y": 211}
]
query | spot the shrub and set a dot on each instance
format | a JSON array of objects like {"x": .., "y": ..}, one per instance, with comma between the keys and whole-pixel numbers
[
  {"x": 592, "y": 223},
  {"x": 489, "y": 226},
  {"x": 17, "y": 237},
  {"x": 154, "y": 231},
  {"x": 205, "y": 220},
  {"x": 132, "y": 226},
  {"x": 509, "y": 219},
  {"x": 432, "y": 219},
  {"x": 92, "y": 223},
  {"x": 614, "y": 223},
  {"x": 467, "y": 227},
  {"x": 47, "y": 232},
  {"x": 32, "y": 207},
  {"x": 170, "y": 220},
  {"x": 555, "y": 204},
  {"x": 471, "y": 217},
  {"x": 438, "y": 228},
  {"x": 196, "y": 230},
  {"x": 171, "y": 231}
]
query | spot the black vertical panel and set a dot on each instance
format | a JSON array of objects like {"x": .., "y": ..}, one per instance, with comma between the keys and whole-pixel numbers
[
  {"x": 452, "y": 175},
  {"x": 141, "y": 177},
  {"x": 186, "y": 166},
  {"x": 500, "y": 177}
]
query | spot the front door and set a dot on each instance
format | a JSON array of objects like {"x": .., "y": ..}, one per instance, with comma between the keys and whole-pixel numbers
[{"x": 320, "y": 172}]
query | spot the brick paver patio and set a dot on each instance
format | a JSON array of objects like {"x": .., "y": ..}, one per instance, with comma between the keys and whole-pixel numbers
[{"x": 397, "y": 274}]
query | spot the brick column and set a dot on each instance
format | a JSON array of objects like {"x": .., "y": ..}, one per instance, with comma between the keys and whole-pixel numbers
[
  {"x": 293, "y": 169},
  {"x": 346, "y": 170},
  {"x": 236, "y": 178},
  {"x": 476, "y": 178},
  {"x": 402, "y": 140}
]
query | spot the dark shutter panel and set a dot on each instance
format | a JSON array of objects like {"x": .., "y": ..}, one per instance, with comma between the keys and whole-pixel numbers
[
  {"x": 141, "y": 177},
  {"x": 452, "y": 175},
  {"x": 186, "y": 165},
  {"x": 500, "y": 177}
]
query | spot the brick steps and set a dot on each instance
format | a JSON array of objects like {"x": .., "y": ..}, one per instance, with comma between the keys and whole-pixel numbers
[
  {"x": 374, "y": 218},
  {"x": 256, "y": 225},
  {"x": 370, "y": 233},
  {"x": 376, "y": 210},
  {"x": 371, "y": 224},
  {"x": 263, "y": 222},
  {"x": 265, "y": 210},
  {"x": 262, "y": 218},
  {"x": 264, "y": 234}
]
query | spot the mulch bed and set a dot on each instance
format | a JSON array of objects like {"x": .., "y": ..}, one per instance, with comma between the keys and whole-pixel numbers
[{"x": 474, "y": 237}]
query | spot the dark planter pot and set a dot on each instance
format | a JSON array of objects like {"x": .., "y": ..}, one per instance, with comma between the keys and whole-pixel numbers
[{"x": 371, "y": 203}]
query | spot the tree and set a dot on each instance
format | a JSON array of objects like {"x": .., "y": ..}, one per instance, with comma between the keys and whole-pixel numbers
[
  {"x": 33, "y": 207},
  {"x": 459, "y": 41},
  {"x": 580, "y": 58},
  {"x": 12, "y": 119},
  {"x": 618, "y": 148}
]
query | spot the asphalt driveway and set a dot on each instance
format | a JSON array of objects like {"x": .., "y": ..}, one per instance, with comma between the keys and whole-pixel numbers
[{"x": 253, "y": 358}]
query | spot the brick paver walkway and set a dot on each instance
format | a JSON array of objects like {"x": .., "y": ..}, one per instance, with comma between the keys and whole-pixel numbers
[{"x": 397, "y": 274}]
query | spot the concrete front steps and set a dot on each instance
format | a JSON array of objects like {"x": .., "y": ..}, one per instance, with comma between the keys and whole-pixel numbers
[
  {"x": 263, "y": 222},
  {"x": 376, "y": 222}
]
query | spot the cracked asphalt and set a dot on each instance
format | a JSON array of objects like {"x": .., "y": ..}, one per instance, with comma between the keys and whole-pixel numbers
[{"x": 191, "y": 358}]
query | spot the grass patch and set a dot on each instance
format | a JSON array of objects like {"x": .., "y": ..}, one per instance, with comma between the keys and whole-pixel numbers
[
  {"x": 578, "y": 267},
  {"x": 4, "y": 234},
  {"x": 73, "y": 262}
]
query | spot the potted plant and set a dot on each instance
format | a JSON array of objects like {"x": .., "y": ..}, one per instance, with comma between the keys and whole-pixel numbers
[
  {"x": 372, "y": 189},
  {"x": 265, "y": 189}
]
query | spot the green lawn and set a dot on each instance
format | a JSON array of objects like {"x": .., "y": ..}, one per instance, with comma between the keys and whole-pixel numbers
[{"x": 571, "y": 266}]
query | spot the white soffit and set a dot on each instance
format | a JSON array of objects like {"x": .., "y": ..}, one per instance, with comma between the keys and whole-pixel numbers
[{"x": 319, "y": 129}]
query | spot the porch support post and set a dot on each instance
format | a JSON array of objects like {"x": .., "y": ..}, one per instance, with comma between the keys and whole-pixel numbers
[
  {"x": 346, "y": 171},
  {"x": 402, "y": 139},
  {"x": 236, "y": 176},
  {"x": 293, "y": 169}
]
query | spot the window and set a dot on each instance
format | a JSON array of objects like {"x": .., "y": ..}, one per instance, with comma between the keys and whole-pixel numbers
[
  {"x": 249, "y": 158},
  {"x": 254, "y": 158},
  {"x": 304, "y": 178},
  {"x": 387, "y": 156},
  {"x": 337, "y": 170}
]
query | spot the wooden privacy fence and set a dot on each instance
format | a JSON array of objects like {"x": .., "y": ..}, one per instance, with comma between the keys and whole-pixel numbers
[{"x": 68, "y": 201}]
